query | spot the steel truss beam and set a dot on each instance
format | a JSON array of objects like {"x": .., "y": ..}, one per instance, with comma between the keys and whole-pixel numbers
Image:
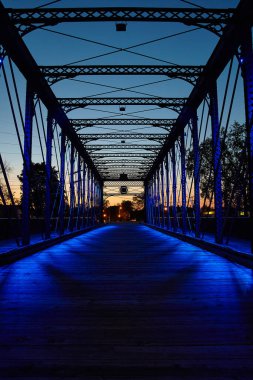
[
  {"x": 19, "y": 53},
  {"x": 122, "y": 146},
  {"x": 123, "y": 136},
  {"x": 57, "y": 73},
  {"x": 117, "y": 180},
  {"x": 211, "y": 19},
  {"x": 96, "y": 156},
  {"x": 127, "y": 168},
  {"x": 83, "y": 123},
  {"x": 123, "y": 162},
  {"x": 107, "y": 195},
  {"x": 226, "y": 48},
  {"x": 69, "y": 104}
]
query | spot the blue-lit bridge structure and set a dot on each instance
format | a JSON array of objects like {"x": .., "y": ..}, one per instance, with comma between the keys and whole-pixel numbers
[{"x": 167, "y": 297}]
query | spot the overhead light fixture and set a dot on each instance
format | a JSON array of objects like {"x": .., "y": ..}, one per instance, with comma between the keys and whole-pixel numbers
[{"x": 121, "y": 26}]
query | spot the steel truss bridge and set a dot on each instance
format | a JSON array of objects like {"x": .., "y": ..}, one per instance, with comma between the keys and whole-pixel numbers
[{"x": 169, "y": 165}]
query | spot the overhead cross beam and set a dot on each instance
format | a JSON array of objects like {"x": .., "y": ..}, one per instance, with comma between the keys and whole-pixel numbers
[
  {"x": 122, "y": 167},
  {"x": 126, "y": 161},
  {"x": 56, "y": 73},
  {"x": 123, "y": 136},
  {"x": 83, "y": 123},
  {"x": 69, "y": 104},
  {"x": 98, "y": 156},
  {"x": 211, "y": 19},
  {"x": 122, "y": 146}
]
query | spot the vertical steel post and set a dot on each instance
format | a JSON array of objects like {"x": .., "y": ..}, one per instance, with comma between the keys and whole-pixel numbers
[
  {"x": 162, "y": 193},
  {"x": 158, "y": 197},
  {"x": 94, "y": 199},
  {"x": 174, "y": 187},
  {"x": 183, "y": 183},
  {"x": 153, "y": 200},
  {"x": 79, "y": 192},
  {"x": 146, "y": 202},
  {"x": 62, "y": 184},
  {"x": 29, "y": 113},
  {"x": 48, "y": 195},
  {"x": 247, "y": 72},
  {"x": 91, "y": 199},
  {"x": 88, "y": 197},
  {"x": 72, "y": 188},
  {"x": 84, "y": 196},
  {"x": 101, "y": 200},
  {"x": 168, "y": 191},
  {"x": 196, "y": 173},
  {"x": 150, "y": 200},
  {"x": 216, "y": 163}
]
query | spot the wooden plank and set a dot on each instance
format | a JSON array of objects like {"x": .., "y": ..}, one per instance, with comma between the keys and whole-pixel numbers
[{"x": 126, "y": 302}]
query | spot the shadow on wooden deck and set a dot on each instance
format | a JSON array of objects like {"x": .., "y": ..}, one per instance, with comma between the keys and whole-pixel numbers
[{"x": 126, "y": 302}]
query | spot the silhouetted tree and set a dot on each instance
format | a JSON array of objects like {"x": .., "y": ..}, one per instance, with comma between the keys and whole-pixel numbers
[
  {"x": 38, "y": 188},
  {"x": 233, "y": 163}
]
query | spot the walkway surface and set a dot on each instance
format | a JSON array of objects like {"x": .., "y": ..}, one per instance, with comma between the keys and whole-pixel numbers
[{"x": 126, "y": 302}]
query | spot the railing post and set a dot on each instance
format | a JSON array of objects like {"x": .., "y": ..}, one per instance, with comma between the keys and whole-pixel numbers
[
  {"x": 183, "y": 183},
  {"x": 26, "y": 202},
  {"x": 196, "y": 173},
  {"x": 62, "y": 184},
  {"x": 174, "y": 187},
  {"x": 247, "y": 71},
  {"x": 48, "y": 195},
  {"x": 216, "y": 163},
  {"x": 168, "y": 191}
]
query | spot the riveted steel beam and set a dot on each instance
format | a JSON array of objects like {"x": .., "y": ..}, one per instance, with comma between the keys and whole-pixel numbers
[
  {"x": 212, "y": 19},
  {"x": 82, "y": 123},
  {"x": 123, "y": 136},
  {"x": 122, "y": 146},
  {"x": 69, "y": 104},
  {"x": 97, "y": 156},
  {"x": 56, "y": 73}
]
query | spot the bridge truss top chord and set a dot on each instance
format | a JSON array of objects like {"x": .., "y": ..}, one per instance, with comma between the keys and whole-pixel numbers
[
  {"x": 211, "y": 19},
  {"x": 122, "y": 147},
  {"x": 189, "y": 73},
  {"x": 69, "y": 104},
  {"x": 123, "y": 136},
  {"x": 82, "y": 123}
]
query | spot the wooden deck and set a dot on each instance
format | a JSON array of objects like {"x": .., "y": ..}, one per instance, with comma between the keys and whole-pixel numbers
[{"x": 126, "y": 302}]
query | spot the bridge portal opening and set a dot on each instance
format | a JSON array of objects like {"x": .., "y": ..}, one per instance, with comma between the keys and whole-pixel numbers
[{"x": 123, "y": 201}]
